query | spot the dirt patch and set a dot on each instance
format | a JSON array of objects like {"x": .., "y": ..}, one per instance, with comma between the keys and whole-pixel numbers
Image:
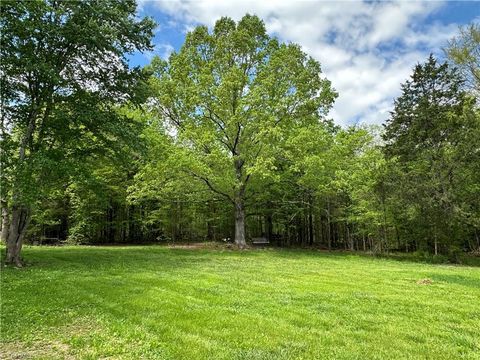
[
  {"x": 425, "y": 282},
  {"x": 189, "y": 246},
  {"x": 206, "y": 245},
  {"x": 52, "y": 346},
  {"x": 38, "y": 350}
]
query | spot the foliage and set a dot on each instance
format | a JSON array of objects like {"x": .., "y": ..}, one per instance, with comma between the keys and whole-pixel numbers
[
  {"x": 63, "y": 75},
  {"x": 432, "y": 138},
  {"x": 464, "y": 51},
  {"x": 232, "y": 97}
]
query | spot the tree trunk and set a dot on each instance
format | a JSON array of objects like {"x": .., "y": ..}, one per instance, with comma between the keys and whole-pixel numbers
[
  {"x": 349, "y": 238},
  {"x": 329, "y": 227},
  {"x": 5, "y": 223},
  {"x": 310, "y": 223},
  {"x": 239, "y": 203},
  {"x": 269, "y": 226},
  {"x": 18, "y": 226},
  {"x": 210, "y": 221},
  {"x": 478, "y": 240},
  {"x": 299, "y": 230},
  {"x": 20, "y": 215},
  {"x": 210, "y": 236},
  {"x": 240, "y": 222}
]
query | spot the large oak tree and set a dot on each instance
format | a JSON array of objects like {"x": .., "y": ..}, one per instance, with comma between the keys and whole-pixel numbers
[{"x": 232, "y": 96}]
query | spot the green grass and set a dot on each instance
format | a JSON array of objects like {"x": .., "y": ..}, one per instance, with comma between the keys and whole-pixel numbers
[{"x": 162, "y": 303}]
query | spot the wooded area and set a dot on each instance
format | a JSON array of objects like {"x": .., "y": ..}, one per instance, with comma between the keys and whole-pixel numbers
[{"x": 227, "y": 140}]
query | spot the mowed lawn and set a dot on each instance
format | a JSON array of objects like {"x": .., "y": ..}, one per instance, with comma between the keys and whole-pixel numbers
[{"x": 152, "y": 302}]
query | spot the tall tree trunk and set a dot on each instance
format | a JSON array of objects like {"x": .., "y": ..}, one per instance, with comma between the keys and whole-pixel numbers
[
  {"x": 240, "y": 222},
  {"x": 350, "y": 238},
  {"x": 310, "y": 222},
  {"x": 397, "y": 235},
  {"x": 239, "y": 203},
  {"x": 269, "y": 226},
  {"x": 18, "y": 226},
  {"x": 127, "y": 223},
  {"x": 299, "y": 230},
  {"x": 5, "y": 223},
  {"x": 20, "y": 215},
  {"x": 210, "y": 221},
  {"x": 478, "y": 240},
  {"x": 329, "y": 227}
]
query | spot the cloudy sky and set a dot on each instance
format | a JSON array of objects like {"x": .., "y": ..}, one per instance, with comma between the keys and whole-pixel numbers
[{"x": 366, "y": 48}]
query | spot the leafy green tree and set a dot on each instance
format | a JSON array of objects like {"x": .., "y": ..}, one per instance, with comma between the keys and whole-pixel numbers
[
  {"x": 63, "y": 73},
  {"x": 464, "y": 51},
  {"x": 230, "y": 97}
]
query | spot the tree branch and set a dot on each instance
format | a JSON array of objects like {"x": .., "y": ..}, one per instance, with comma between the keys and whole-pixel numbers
[{"x": 210, "y": 186}]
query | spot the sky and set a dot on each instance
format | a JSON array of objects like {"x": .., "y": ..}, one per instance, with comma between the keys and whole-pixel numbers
[{"x": 366, "y": 48}]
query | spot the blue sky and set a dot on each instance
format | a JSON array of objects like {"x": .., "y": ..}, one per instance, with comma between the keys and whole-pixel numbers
[{"x": 367, "y": 49}]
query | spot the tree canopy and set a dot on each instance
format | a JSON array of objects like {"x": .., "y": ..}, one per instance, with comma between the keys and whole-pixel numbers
[{"x": 231, "y": 97}]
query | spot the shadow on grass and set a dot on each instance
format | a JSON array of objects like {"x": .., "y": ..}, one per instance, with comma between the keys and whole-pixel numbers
[
  {"x": 158, "y": 256},
  {"x": 464, "y": 259},
  {"x": 457, "y": 280},
  {"x": 88, "y": 258}
]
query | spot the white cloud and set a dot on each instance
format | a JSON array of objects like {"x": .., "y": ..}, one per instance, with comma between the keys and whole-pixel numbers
[
  {"x": 163, "y": 50},
  {"x": 366, "y": 49}
]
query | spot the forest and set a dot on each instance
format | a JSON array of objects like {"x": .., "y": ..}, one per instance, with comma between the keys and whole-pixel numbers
[
  {"x": 213, "y": 203},
  {"x": 228, "y": 139}
]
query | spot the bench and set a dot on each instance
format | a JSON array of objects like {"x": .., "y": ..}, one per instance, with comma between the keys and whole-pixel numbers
[
  {"x": 44, "y": 240},
  {"x": 260, "y": 241}
]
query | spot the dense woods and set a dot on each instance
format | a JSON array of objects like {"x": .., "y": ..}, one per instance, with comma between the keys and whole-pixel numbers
[{"x": 227, "y": 140}]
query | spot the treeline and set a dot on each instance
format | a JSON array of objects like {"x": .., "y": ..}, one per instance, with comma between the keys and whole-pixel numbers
[
  {"x": 228, "y": 140},
  {"x": 412, "y": 185}
]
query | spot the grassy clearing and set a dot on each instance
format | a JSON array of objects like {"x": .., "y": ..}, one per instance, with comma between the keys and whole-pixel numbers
[{"x": 161, "y": 303}]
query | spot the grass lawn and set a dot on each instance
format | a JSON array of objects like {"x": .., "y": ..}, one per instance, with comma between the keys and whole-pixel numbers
[{"x": 150, "y": 302}]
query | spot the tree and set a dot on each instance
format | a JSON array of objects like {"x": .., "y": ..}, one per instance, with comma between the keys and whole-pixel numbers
[
  {"x": 430, "y": 137},
  {"x": 231, "y": 97},
  {"x": 464, "y": 52},
  {"x": 63, "y": 74}
]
